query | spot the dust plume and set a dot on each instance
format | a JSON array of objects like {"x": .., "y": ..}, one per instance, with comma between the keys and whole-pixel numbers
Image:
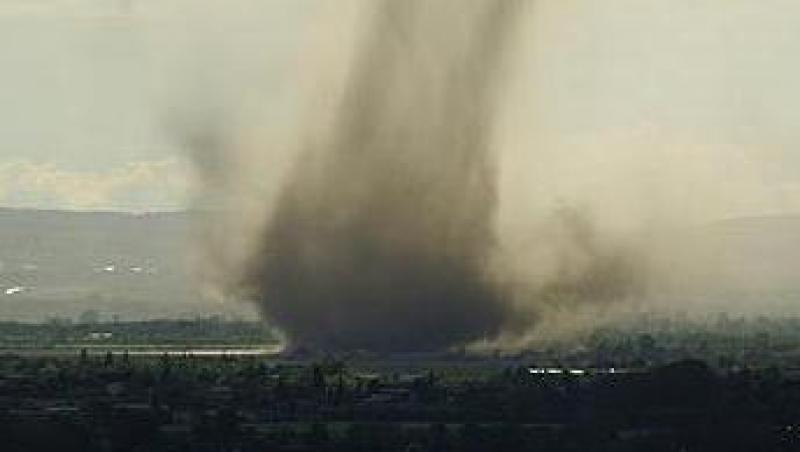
[
  {"x": 381, "y": 233},
  {"x": 382, "y": 236}
]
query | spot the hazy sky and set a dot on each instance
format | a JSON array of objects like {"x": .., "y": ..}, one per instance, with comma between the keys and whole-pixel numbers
[{"x": 89, "y": 87}]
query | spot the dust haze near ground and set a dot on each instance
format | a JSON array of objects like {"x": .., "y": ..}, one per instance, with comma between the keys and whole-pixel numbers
[{"x": 422, "y": 197}]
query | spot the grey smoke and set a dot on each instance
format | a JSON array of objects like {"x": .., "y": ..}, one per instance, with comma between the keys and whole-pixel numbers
[{"x": 382, "y": 237}]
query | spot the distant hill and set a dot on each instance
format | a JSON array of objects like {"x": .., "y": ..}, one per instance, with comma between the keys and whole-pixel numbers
[
  {"x": 745, "y": 266},
  {"x": 60, "y": 264},
  {"x": 136, "y": 266},
  {"x": 761, "y": 253}
]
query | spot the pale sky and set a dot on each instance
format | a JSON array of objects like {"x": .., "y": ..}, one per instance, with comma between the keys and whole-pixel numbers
[{"x": 88, "y": 86}]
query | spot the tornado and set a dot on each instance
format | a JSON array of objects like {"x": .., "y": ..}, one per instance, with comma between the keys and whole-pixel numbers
[{"x": 383, "y": 233}]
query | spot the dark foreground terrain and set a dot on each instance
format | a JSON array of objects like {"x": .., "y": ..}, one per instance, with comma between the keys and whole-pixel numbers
[{"x": 108, "y": 402}]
